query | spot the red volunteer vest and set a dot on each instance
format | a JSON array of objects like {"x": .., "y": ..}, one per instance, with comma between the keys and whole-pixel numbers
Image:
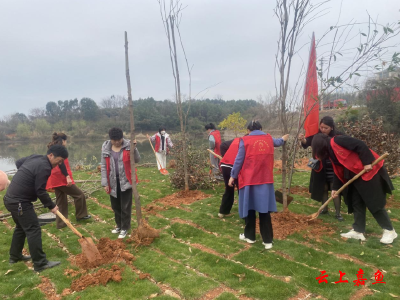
[
  {"x": 230, "y": 155},
  {"x": 350, "y": 160},
  {"x": 57, "y": 178},
  {"x": 217, "y": 136},
  {"x": 258, "y": 163},
  {"x": 126, "y": 155},
  {"x": 158, "y": 143}
]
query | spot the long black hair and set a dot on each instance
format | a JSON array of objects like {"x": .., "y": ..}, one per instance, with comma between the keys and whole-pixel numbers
[
  {"x": 327, "y": 120},
  {"x": 254, "y": 125},
  {"x": 210, "y": 126},
  {"x": 320, "y": 145}
]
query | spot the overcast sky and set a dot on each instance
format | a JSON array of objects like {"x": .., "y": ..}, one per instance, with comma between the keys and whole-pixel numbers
[{"x": 59, "y": 50}]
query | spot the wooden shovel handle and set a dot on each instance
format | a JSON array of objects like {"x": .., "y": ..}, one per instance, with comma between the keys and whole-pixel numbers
[
  {"x": 66, "y": 221},
  {"x": 215, "y": 154},
  {"x": 351, "y": 180}
]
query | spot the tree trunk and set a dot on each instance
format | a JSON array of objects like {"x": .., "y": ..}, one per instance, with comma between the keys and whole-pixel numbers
[
  {"x": 179, "y": 102},
  {"x": 138, "y": 206}
]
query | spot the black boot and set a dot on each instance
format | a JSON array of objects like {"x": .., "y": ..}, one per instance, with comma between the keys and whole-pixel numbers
[{"x": 337, "y": 202}]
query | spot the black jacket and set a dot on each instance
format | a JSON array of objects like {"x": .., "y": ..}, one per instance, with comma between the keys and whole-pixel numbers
[
  {"x": 317, "y": 179},
  {"x": 373, "y": 192},
  {"x": 29, "y": 183}
]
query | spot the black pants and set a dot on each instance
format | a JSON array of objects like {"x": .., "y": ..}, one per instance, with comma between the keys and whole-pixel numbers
[
  {"x": 122, "y": 207},
  {"x": 266, "y": 231},
  {"x": 360, "y": 209},
  {"x": 229, "y": 195},
  {"x": 26, "y": 226}
]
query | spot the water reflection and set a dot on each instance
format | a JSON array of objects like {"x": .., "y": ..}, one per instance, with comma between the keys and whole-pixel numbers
[{"x": 80, "y": 152}]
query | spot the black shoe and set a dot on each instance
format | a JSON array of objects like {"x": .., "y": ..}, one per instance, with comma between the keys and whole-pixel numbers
[
  {"x": 339, "y": 218},
  {"x": 22, "y": 258},
  {"x": 50, "y": 264},
  {"x": 84, "y": 218}
]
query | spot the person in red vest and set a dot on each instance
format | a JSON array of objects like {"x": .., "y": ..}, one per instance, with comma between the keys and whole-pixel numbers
[
  {"x": 214, "y": 139},
  {"x": 162, "y": 147},
  {"x": 116, "y": 178},
  {"x": 321, "y": 180},
  {"x": 63, "y": 184},
  {"x": 229, "y": 150},
  {"x": 253, "y": 167},
  {"x": 350, "y": 156}
]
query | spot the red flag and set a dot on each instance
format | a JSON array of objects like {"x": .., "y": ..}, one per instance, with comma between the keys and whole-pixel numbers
[{"x": 311, "y": 102}]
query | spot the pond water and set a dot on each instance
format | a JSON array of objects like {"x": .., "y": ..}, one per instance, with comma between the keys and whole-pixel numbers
[
  {"x": 83, "y": 152},
  {"x": 80, "y": 152}
]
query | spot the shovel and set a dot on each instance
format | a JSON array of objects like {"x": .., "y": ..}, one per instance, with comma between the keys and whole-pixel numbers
[
  {"x": 162, "y": 171},
  {"x": 279, "y": 197},
  {"x": 215, "y": 154},
  {"x": 315, "y": 215},
  {"x": 89, "y": 249}
]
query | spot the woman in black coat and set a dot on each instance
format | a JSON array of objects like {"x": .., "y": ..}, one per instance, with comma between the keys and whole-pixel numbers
[
  {"x": 321, "y": 181},
  {"x": 349, "y": 156}
]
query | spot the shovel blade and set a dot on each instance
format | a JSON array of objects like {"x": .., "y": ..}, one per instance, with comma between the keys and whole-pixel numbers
[
  {"x": 164, "y": 171},
  {"x": 89, "y": 249},
  {"x": 279, "y": 197}
]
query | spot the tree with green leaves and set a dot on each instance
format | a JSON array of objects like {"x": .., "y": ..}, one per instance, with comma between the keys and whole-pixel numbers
[{"x": 235, "y": 123}]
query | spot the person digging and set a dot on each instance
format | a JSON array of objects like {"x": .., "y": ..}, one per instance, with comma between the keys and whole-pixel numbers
[
  {"x": 350, "y": 156},
  {"x": 28, "y": 184}
]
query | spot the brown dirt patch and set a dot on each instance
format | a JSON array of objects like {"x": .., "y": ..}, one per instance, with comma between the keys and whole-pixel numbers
[
  {"x": 73, "y": 273},
  {"x": 213, "y": 294},
  {"x": 152, "y": 209},
  {"x": 48, "y": 288},
  {"x": 182, "y": 197},
  {"x": 102, "y": 276},
  {"x": 144, "y": 235},
  {"x": 361, "y": 293},
  {"x": 300, "y": 190},
  {"x": 287, "y": 223},
  {"x": 144, "y": 276},
  {"x": 392, "y": 203},
  {"x": 111, "y": 251},
  {"x": 144, "y": 180}
]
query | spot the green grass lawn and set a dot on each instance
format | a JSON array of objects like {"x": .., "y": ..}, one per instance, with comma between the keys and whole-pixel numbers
[{"x": 204, "y": 259}]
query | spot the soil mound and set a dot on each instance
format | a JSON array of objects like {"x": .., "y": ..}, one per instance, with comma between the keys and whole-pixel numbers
[
  {"x": 111, "y": 251},
  {"x": 102, "y": 276},
  {"x": 287, "y": 223},
  {"x": 143, "y": 235}
]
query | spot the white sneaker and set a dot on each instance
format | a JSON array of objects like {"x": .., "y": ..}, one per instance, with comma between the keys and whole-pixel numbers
[
  {"x": 267, "y": 245},
  {"x": 116, "y": 230},
  {"x": 122, "y": 234},
  {"x": 221, "y": 215},
  {"x": 243, "y": 238},
  {"x": 352, "y": 234},
  {"x": 388, "y": 236}
]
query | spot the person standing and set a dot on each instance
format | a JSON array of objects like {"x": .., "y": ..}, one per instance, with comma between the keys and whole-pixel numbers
[
  {"x": 116, "y": 178},
  {"x": 253, "y": 167},
  {"x": 321, "y": 180},
  {"x": 229, "y": 150},
  {"x": 349, "y": 156},
  {"x": 162, "y": 146},
  {"x": 62, "y": 182},
  {"x": 214, "y": 139},
  {"x": 28, "y": 184}
]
